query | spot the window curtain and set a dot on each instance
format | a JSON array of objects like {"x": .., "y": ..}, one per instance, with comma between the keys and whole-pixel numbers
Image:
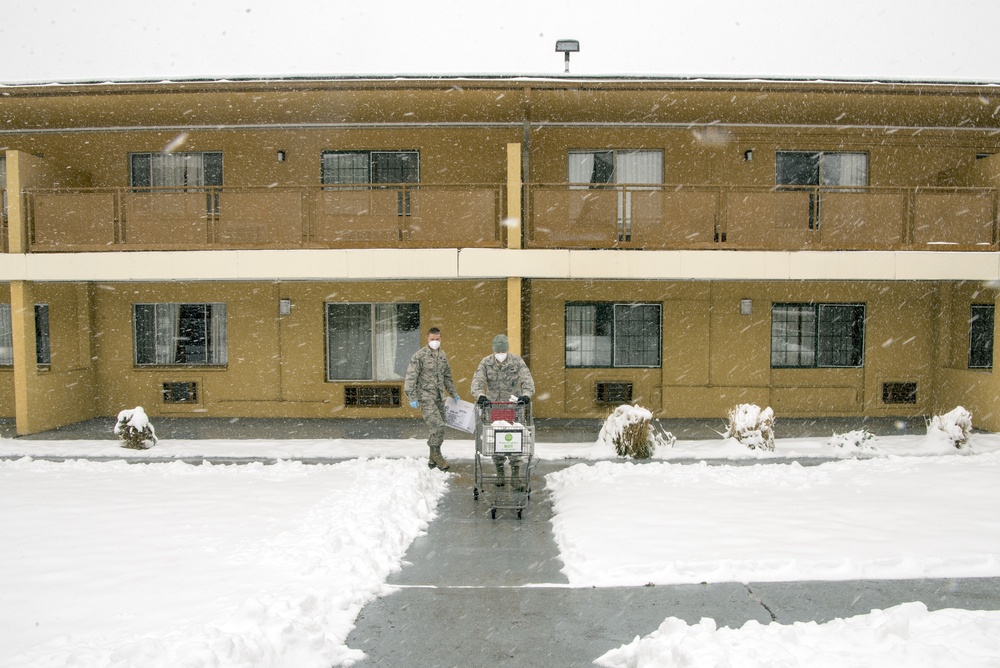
[
  {"x": 581, "y": 331},
  {"x": 6, "y": 337},
  {"x": 218, "y": 335},
  {"x": 168, "y": 327},
  {"x": 386, "y": 341},
  {"x": 349, "y": 341},
  {"x": 640, "y": 167},
  {"x": 581, "y": 167},
  {"x": 845, "y": 169}
]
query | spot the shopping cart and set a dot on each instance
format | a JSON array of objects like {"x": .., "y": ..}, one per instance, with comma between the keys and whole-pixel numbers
[{"x": 507, "y": 429}]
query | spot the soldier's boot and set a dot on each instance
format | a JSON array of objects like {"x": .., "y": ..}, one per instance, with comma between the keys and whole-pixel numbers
[
  {"x": 500, "y": 474},
  {"x": 515, "y": 479},
  {"x": 437, "y": 460}
]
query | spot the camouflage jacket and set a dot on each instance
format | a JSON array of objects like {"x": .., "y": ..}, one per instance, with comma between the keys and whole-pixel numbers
[
  {"x": 427, "y": 374},
  {"x": 498, "y": 381}
]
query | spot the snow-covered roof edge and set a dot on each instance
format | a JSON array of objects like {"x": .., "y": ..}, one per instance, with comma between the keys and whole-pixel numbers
[{"x": 512, "y": 78}]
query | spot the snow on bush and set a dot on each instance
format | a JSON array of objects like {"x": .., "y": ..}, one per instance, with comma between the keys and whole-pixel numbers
[
  {"x": 630, "y": 430},
  {"x": 751, "y": 426},
  {"x": 133, "y": 429},
  {"x": 952, "y": 428},
  {"x": 859, "y": 440}
]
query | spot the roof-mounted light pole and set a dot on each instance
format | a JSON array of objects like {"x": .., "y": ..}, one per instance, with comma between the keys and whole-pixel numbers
[{"x": 567, "y": 46}]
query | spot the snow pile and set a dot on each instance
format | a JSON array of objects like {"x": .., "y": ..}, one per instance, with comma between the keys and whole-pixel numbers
[
  {"x": 165, "y": 565},
  {"x": 950, "y": 430},
  {"x": 891, "y": 518},
  {"x": 857, "y": 441},
  {"x": 905, "y": 635},
  {"x": 752, "y": 426}
]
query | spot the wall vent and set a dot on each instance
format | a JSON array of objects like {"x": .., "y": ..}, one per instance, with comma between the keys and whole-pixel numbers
[
  {"x": 614, "y": 393},
  {"x": 183, "y": 392},
  {"x": 372, "y": 395},
  {"x": 899, "y": 393}
]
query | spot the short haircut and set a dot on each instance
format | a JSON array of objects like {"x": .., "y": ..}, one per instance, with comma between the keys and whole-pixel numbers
[{"x": 433, "y": 330}]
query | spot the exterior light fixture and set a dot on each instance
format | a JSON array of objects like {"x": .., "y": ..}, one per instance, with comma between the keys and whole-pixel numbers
[
  {"x": 746, "y": 307},
  {"x": 567, "y": 46},
  {"x": 281, "y": 156},
  {"x": 284, "y": 307}
]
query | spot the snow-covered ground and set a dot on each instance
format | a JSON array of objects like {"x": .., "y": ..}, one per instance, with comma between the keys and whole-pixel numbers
[{"x": 173, "y": 564}]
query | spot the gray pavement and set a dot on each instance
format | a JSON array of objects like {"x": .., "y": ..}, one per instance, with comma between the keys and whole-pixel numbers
[{"x": 475, "y": 591}]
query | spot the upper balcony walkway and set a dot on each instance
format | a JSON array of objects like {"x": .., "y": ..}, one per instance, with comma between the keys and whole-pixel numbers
[{"x": 557, "y": 216}]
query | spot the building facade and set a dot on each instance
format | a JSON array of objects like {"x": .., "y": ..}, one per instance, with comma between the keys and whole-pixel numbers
[{"x": 279, "y": 248}]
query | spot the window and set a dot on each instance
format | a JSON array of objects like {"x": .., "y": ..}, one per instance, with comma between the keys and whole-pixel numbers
[
  {"x": 810, "y": 168},
  {"x": 43, "y": 346},
  {"x": 371, "y": 341},
  {"x": 604, "y": 334},
  {"x": 3, "y": 184},
  {"x": 981, "y": 337},
  {"x": 817, "y": 335},
  {"x": 367, "y": 167},
  {"x": 619, "y": 166},
  {"x": 180, "y": 334},
  {"x": 6, "y": 337},
  {"x": 158, "y": 170}
]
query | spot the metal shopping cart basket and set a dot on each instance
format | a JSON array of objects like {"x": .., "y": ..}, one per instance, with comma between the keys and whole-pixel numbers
[{"x": 504, "y": 429}]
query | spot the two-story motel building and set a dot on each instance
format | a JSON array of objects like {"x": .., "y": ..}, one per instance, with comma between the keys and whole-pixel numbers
[{"x": 278, "y": 248}]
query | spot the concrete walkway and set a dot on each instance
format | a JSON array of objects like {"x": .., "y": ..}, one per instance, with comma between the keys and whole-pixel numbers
[{"x": 475, "y": 591}]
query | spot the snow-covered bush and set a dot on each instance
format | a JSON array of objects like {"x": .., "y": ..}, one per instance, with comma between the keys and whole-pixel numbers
[
  {"x": 632, "y": 433},
  {"x": 954, "y": 427},
  {"x": 751, "y": 426},
  {"x": 860, "y": 440},
  {"x": 134, "y": 429}
]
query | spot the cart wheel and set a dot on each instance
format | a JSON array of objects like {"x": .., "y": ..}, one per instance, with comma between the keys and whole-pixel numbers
[
  {"x": 518, "y": 513},
  {"x": 493, "y": 513},
  {"x": 475, "y": 493}
]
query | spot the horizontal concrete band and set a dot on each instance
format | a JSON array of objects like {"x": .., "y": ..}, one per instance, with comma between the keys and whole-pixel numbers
[{"x": 485, "y": 263}]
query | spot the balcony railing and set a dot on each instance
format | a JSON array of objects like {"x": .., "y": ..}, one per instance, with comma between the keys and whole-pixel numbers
[
  {"x": 654, "y": 217},
  {"x": 647, "y": 217},
  {"x": 331, "y": 216}
]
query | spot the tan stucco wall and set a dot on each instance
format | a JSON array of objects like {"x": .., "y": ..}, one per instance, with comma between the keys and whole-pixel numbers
[
  {"x": 713, "y": 357},
  {"x": 277, "y": 364}
]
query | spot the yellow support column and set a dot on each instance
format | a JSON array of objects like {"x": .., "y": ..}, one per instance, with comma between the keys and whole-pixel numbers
[
  {"x": 22, "y": 317},
  {"x": 515, "y": 225},
  {"x": 514, "y": 222}
]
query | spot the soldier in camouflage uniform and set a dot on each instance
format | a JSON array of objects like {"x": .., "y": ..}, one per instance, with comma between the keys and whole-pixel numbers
[
  {"x": 499, "y": 377},
  {"x": 427, "y": 374}
]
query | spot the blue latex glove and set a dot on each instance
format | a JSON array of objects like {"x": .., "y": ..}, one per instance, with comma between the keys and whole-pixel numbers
[{"x": 413, "y": 404}]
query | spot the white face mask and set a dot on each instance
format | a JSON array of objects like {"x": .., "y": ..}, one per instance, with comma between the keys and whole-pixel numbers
[
  {"x": 434, "y": 345},
  {"x": 500, "y": 356}
]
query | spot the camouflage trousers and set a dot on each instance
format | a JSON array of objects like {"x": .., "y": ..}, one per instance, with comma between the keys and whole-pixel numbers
[{"x": 432, "y": 409}]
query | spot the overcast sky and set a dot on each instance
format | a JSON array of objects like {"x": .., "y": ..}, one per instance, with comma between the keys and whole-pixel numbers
[{"x": 927, "y": 40}]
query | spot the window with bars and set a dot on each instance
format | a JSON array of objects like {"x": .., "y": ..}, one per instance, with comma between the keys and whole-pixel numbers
[
  {"x": 606, "y": 334},
  {"x": 981, "y": 336},
  {"x": 817, "y": 335}
]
